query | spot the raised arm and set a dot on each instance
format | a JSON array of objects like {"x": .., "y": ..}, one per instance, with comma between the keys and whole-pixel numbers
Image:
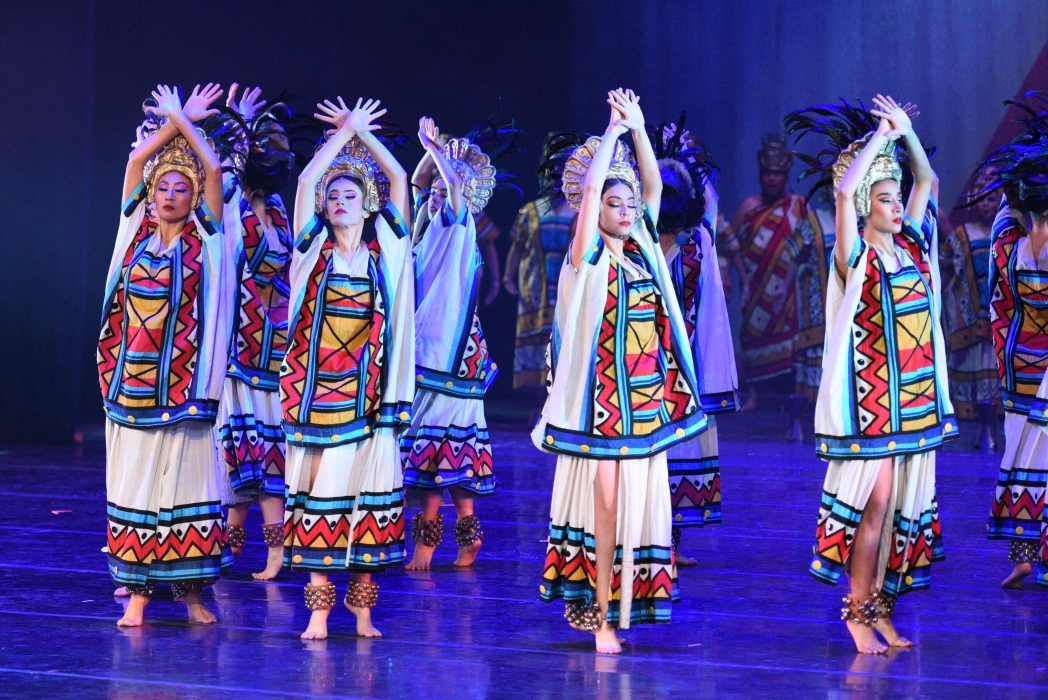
[
  {"x": 592, "y": 184},
  {"x": 847, "y": 216},
  {"x": 423, "y": 175},
  {"x": 429, "y": 135},
  {"x": 923, "y": 176},
  {"x": 309, "y": 178},
  {"x": 195, "y": 109},
  {"x": 169, "y": 105},
  {"x": 628, "y": 103},
  {"x": 362, "y": 122}
]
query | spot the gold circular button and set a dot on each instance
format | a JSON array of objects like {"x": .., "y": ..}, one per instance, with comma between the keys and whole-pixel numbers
[
  {"x": 166, "y": 417},
  {"x": 624, "y": 450},
  {"x": 404, "y": 415},
  {"x": 817, "y": 565},
  {"x": 909, "y": 580},
  {"x": 920, "y": 443},
  {"x": 891, "y": 445},
  {"x": 724, "y": 403},
  {"x": 494, "y": 366},
  {"x": 680, "y": 432},
  {"x": 473, "y": 390},
  {"x": 549, "y": 439},
  {"x": 1009, "y": 404},
  {"x": 138, "y": 197},
  {"x": 367, "y": 429},
  {"x": 192, "y": 410},
  {"x": 706, "y": 514},
  {"x": 305, "y": 236},
  {"x": 254, "y": 380},
  {"x": 948, "y": 427},
  {"x": 297, "y": 559},
  {"x": 542, "y": 590},
  {"x": 327, "y": 561},
  {"x": 678, "y": 517},
  {"x": 130, "y": 419},
  {"x": 232, "y": 368},
  {"x": 1019, "y": 530},
  {"x": 594, "y": 249},
  {"x": 396, "y": 219},
  {"x": 381, "y": 556},
  {"x": 584, "y": 448},
  {"x": 207, "y": 217},
  {"x": 438, "y": 480},
  {"x": 367, "y": 557},
  {"x": 298, "y": 436},
  {"x": 334, "y": 438},
  {"x": 469, "y": 472},
  {"x": 824, "y": 447},
  {"x": 855, "y": 447},
  {"x": 448, "y": 385}
]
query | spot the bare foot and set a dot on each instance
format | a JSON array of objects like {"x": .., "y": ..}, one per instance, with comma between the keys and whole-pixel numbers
[
  {"x": 364, "y": 626},
  {"x": 607, "y": 641},
  {"x": 865, "y": 639},
  {"x": 468, "y": 555},
  {"x": 134, "y": 613},
  {"x": 1015, "y": 579},
  {"x": 685, "y": 561},
  {"x": 274, "y": 563},
  {"x": 198, "y": 614},
  {"x": 122, "y": 592},
  {"x": 421, "y": 558},
  {"x": 887, "y": 630},
  {"x": 317, "y": 628}
]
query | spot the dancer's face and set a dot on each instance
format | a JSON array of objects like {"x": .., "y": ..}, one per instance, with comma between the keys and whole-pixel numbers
[
  {"x": 619, "y": 209},
  {"x": 986, "y": 209},
  {"x": 886, "y": 207},
  {"x": 173, "y": 197},
  {"x": 438, "y": 194},
  {"x": 773, "y": 184},
  {"x": 345, "y": 203}
]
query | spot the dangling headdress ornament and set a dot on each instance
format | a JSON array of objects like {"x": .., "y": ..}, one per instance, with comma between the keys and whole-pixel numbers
[
  {"x": 1020, "y": 168},
  {"x": 848, "y": 127},
  {"x": 685, "y": 169},
  {"x": 774, "y": 155},
  {"x": 555, "y": 154},
  {"x": 355, "y": 161},
  {"x": 473, "y": 157},
  {"x": 623, "y": 167}
]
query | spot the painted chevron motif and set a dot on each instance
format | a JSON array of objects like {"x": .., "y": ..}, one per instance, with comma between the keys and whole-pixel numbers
[
  {"x": 1018, "y": 507},
  {"x": 654, "y": 576},
  {"x": 458, "y": 456},
  {"x": 254, "y": 455},
  {"x": 695, "y": 491}
]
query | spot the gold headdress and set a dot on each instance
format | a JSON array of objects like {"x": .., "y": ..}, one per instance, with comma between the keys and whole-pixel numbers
[
  {"x": 179, "y": 157},
  {"x": 885, "y": 167},
  {"x": 578, "y": 164},
  {"x": 475, "y": 169},
  {"x": 356, "y": 161},
  {"x": 774, "y": 155}
]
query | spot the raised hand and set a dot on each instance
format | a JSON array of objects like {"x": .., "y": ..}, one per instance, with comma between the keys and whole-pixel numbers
[
  {"x": 362, "y": 118},
  {"x": 336, "y": 115},
  {"x": 167, "y": 102},
  {"x": 889, "y": 109},
  {"x": 616, "y": 124},
  {"x": 428, "y": 133},
  {"x": 628, "y": 103},
  {"x": 198, "y": 105},
  {"x": 249, "y": 105}
]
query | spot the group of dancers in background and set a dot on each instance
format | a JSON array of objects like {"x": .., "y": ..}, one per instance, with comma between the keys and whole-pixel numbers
[{"x": 329, "y": 364}]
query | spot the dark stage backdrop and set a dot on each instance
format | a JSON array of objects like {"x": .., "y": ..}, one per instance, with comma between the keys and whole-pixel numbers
[{"x": 75, "y": 73}]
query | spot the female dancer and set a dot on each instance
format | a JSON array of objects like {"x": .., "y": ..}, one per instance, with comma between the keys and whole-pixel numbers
[
  {"x": 251, "y": 439},
  {"x": 686, "y": 227},
  {"x": 1018, "y": 317},
  {"x": 883, "y": 406},
  {"x": 447, "y": 445},
  {"x": 161, "y": 360},
  {"x": 623, "y": 391},
  {"x": 348, "y": 376}
]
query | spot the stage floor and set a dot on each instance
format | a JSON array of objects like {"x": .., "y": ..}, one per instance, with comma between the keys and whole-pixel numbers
[{"x": 752, "y": 623}]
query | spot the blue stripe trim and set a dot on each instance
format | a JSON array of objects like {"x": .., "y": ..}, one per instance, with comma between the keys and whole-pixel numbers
[
  {"x": 593, "y": 254},
  {"x": 865, "y": 447},
  {"x": 571, "y": 442},
  {"x": 432, "y": 380},
  {"x": 856, "y": 252},
  {"x": 395, "y": 219},
  {"x": 306, "y": 237},
  {"x": 205, "y": 411},
  {"x": 211, "y": 224},
  {"x": 1024, "y": 404},
  {"x": 305, "y": 435},
  {"x": 134, "y": 199},
  {"x": 1038, "y": 414},
  {"x": 722, "y": 402},
  {"x": 267, "y": 381}
]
